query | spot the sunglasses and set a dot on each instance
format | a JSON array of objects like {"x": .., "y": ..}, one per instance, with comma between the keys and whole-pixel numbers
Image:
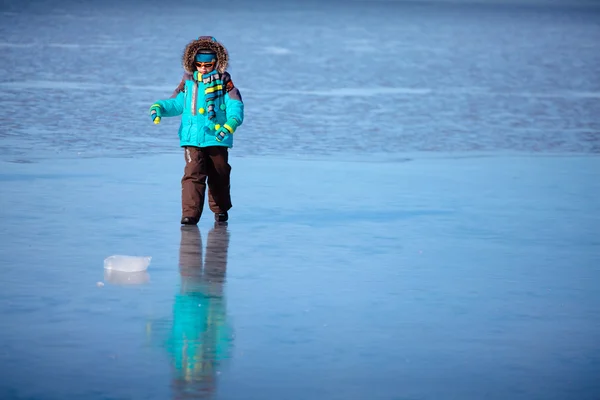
[{"x": 208, "y": 65}]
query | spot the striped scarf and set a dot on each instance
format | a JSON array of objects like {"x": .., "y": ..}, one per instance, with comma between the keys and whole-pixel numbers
[{"x": 213, "y": 89}]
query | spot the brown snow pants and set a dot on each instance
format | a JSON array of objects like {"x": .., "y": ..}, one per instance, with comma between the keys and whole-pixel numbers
[{"x": 202, "y": 163}]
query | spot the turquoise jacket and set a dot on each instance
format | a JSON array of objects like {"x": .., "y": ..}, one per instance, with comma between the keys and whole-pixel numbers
[{"x": 196, "y": 129}]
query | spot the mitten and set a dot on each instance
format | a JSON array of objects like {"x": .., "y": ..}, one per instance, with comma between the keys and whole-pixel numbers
[
  {"x": 155, "y": 113},
  {"x": 228, "y": 128}
]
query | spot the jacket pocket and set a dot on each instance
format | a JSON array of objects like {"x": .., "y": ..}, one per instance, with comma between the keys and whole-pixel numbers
[{"x": 186, "y": 127}]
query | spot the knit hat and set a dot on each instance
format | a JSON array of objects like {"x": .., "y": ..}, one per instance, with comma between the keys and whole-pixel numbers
[{"x": 206, "y": 55}]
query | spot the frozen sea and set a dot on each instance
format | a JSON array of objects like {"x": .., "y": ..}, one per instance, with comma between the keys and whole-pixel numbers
[{"x": 416, "y": 203}]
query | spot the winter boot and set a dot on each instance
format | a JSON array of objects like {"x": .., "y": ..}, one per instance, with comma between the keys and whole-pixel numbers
[
  {"x": 189, "y": 221},
  {"x": 221, "y": 217}
]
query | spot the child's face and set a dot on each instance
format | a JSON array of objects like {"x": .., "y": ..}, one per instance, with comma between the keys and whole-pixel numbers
[{"x": 205, "y": 67}]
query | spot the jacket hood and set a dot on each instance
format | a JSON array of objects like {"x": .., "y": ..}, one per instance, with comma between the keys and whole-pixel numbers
[{"x": 204, "y": 43}]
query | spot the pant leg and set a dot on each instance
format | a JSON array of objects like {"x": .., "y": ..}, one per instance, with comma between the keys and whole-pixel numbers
[
  {"x": 211, "y": 200},
  {"x": 193, "y": 183},
  {"x": 218, "y": 171}
]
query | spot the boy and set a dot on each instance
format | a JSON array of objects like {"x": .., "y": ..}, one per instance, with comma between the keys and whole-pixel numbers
[{"x": 211, "y": 109}]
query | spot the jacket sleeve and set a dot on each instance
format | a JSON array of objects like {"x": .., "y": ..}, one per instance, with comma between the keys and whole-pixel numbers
[
  {"x": 234, "y": 105},
  {"x": 172, "y": 107}
]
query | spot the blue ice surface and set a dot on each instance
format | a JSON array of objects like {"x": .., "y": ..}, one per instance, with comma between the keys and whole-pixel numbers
[
  {"x": 415, "y": 194},
  {"x": 431, "y": 277}
]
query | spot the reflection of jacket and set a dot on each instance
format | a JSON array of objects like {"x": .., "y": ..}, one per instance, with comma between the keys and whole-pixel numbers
[
  {"x": 200, "y": 336},
  {"x": 196, "y": 128}
]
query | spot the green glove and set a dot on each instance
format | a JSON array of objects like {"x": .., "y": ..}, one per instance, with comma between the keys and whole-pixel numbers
[
  {"x": 227, "y": 129},
  {"x": 156, "y": 113}
]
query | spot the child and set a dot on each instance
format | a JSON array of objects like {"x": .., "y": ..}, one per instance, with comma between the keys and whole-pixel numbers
[
  {"x": 211, "y": 109},
  {"x": 228, "y": 83}
]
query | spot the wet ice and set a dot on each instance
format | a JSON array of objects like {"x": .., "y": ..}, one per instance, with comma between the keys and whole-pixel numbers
[{"x": 430, "y": 235}]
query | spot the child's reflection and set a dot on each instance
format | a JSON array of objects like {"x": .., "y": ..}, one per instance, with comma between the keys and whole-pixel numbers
[{"x": 200, "y": 337}]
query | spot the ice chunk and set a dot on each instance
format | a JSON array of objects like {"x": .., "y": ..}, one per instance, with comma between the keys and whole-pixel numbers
[
  {"x": 126, "y": 278},
  {"x": 126, "y": 263}
]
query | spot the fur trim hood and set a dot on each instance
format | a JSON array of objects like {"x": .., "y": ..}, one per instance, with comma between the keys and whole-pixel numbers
[{"x": 204, "y": 42}]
